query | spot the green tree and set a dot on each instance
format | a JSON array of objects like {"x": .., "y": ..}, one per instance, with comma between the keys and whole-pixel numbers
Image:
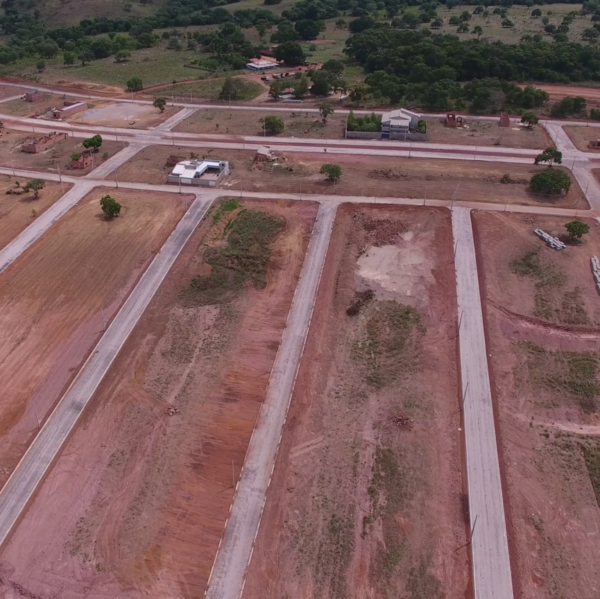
[
  {"x": 590, "y": 34},
  {"x": 85, "y": 55},
  {"x": 536, "y": 12},
  {"x": 437, "y": 23},
  {"x": 40, "y": 65},
  {"x": 576, "y": 229},
  {"x": 530, "y": 119},
  {"x": 122, "y": 56},
  {"x": 110, "y": 206},
  {"x": 322, "y": 82},
  {"x": 477, "y": 30},
  {"x": 75, "y": 156},
  {"x": 291, "y": 53},
  {"x": 160, "y": 103},
  {"x": 325, "y": 108},
  {"x": 35, "y": 185},
  {"x": 135, "y": 84},
  {"x": 93, "y": 143},
  {"x": 273, "y": 125},
  {"x": 507, "y": 23},
  {"x": 334, "y": 66},
  {"x": 549, "y": 155},
  {"x": 277, "y": 88},
  {"x": 300, "y": 87},
  {"x": 550, "y": 181},
  {"x": 333, "y": 172},
  {"x": 68, "y": 58},
  {"x": 307, "y": 29}
]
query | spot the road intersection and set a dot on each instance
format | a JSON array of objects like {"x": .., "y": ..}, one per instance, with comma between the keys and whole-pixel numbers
[{"x": 491, "y": 562}]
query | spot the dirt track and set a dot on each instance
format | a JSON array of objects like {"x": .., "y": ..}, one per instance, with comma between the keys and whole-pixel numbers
[
  {"x": 16, "y": 210},
  {"x": 557, "y": 92},
  {"x": 366, "y": 497},
  {"x": 544, "y": 342},
  {"x": 55, "y": 298},
  {"x": 153, "y": 490}
]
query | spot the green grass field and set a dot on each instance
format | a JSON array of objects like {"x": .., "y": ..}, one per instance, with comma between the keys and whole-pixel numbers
[
  {"x": 154, "y": 65},
  {"x": 519, "y": 15}
]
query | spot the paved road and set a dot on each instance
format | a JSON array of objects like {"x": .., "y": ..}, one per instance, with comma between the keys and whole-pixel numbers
[
  {"x": 43, "y": 222},
  {"x": 227, "y": 576},
  {"x": 32, "y": 468},
  {"x": 491, "y": 562}
]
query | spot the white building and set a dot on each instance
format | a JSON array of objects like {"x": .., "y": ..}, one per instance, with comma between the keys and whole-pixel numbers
[
  {"x": 205, "y": 173},
  {"x": 261, "y": 65},
  {"x": 398, "y": 122}
]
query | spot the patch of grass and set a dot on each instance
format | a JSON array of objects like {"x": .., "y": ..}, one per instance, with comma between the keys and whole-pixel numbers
[
  {"x": 574, "y": 373},
  {"x": 531, "y": 266},
  {"x": 573, "y": 308},
  {"x": 592, "y": 462},
  {"x": 209, "y": 89},
  {"x": 226, "y": 206},
  {"x": 389, "y": 342},
  {"x": 244, "y": 258},
  {"x": 421, "y": 584}
]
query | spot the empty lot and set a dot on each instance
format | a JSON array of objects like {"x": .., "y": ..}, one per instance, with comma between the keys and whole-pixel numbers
[
  {"x": 543, "y": 319},
  {"x": 57, "y": 297},
  {"x": 18, "y": 211},
  {"x": 361, "y": 175},
  {"x": 141, "y": 493},
  {"x": 366, "y": 498}
]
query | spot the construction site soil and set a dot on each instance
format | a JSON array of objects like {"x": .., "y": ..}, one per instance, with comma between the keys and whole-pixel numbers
[
  {"x": 124, "y": 114},
  {"x": 366, "y": 498},
  {"x": 486, "y": 133},
  {"x": 17, "y": 212},
  {"x": 248, "y": 122},
  {"x": 137, "y": 502},
  {"x": 56, "y": 158},
  {"x": 57, "y": 297},
  {"x": 582, "y": 136},
  {"x": 361, "y": 175},
  {"x": 543, "y": 327}
]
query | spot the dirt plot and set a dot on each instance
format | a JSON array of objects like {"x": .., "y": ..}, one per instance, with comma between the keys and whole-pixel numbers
[
  {"x": 582, "y": 136},
  {"x": 123, "y": 114},
  {"x": 22, "y": 108},
  {"x": 55, "y": 158},
  {"x": 366, "y": 498},
  {"x": 483, "y": 133},
  {"x": 6, "y": 91},
  {"x": 241, "y": 122},
  {"x": 361, "y": 175},
  {"x": 18, "y": 211},
  {"x": 543, "y": 323},
  {"x": 57, "y": 297},
  {"x": 141, "y": 493}
]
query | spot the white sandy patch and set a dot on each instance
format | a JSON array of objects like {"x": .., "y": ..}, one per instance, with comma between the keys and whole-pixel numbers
[{"x": 400, "y": 271}]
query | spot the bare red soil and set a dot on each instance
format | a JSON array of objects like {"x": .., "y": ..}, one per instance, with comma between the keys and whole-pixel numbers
[
  {"x": 366, "y": 498},
  {"x": 137, "y": 502}
]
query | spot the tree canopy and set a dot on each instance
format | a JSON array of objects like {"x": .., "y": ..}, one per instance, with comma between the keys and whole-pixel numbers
[{"x": 550, "y": 181}]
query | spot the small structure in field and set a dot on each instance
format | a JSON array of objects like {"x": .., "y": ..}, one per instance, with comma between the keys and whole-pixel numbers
[
  {"x": 553, "y": 242},
  {"x": 454, "y": 120},
  {"x": 202, "y": 173},
  {"x": 504, "y": 120},
  {"x": 34, "y": 146},
  {"x": 264, "y": 154},
  {"x": 34, "y": 96},
  {"x": 84, "y": 160},
  {"x": 70, "y": 108}
]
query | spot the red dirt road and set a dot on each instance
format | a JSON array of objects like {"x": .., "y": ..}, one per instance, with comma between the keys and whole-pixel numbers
[
  {"x": 137, "y": 502},
  {"x": 55, "y": 298}
]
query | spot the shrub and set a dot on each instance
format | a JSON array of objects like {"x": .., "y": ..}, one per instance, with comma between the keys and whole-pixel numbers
[{"x": 550, "y": 181}]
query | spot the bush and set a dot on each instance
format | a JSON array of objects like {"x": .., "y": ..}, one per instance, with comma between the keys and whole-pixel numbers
[
  {"x": 110, "y": 206},
  {"x": 332, "y": 171},
  {"x": 273, "y": 125},
  {"x": 551, "y": 180},
  {"x": 135, "y": 84},
  {"x": 370, "y": 122}
]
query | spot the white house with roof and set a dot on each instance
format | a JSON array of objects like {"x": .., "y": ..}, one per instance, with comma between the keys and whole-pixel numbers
[
  {"x": 261, "y": 65},
  {"x": 398, "y": 122},
  {"x": 204, "y": 173}
]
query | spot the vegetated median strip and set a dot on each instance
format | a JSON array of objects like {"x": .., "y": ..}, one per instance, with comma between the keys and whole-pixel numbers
[
  {"x": 32, "y": 468},
  {"x": 43, "y": 222},
  {"x": 235, "y": 550},
  {"x": 489, "y": 543}
]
